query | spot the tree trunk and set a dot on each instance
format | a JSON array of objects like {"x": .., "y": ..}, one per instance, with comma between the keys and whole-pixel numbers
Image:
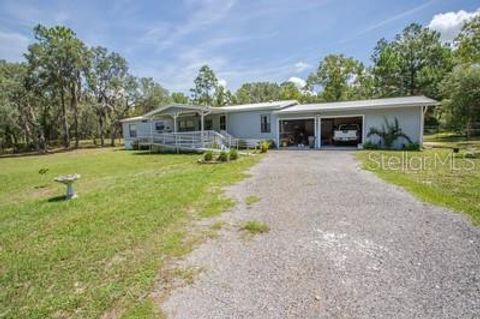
[
  {"x": 28, "y": 133},
  {"x": 38, "y": 133},
  {"x": 14, "y": 141},
  {"x": 66, "y": 134},
  {"x": 101, "y": 122},
  {"x": 44, "y": 129},
  {"x": 74, "y": 107},
  {"x": 469, "y": 129},
  {"x": 113, "y": 134}
]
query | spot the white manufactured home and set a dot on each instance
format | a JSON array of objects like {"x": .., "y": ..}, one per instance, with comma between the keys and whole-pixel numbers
[{"x": 287, "y": 124}]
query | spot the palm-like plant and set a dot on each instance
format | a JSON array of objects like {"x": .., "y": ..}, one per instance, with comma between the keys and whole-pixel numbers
[{"x": 389, "y": 133}]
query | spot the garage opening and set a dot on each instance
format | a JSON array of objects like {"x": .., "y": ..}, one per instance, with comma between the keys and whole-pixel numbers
[
  {"x": 297, "y": 133},
  {"x": 341, "y": 131}
]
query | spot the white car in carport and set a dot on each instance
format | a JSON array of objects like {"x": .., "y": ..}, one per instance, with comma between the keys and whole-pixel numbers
[{"x": 347, "y": 133}]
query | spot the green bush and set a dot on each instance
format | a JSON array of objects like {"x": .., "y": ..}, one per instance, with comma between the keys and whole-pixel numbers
[
  {"x": 222, "y": 157},
  {"x": 233, "y": 154},
  {"x": 472, "y": 155},
  {"x": 208, "y": 156},
  {"x": 412, "y": 147},
  {"x": 264, "y": 146},
  {"x": 369, "y": 145}
]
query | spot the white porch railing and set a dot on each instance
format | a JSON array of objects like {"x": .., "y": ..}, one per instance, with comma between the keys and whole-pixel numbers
[{"x": 197, "y": 140}]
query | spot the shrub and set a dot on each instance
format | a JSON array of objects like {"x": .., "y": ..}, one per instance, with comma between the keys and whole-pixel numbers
[
  {"x": 233, "y": 154},
  {"x": 412, "y": 147},
  {"x": 264, "y": 146},
  {"x": 369, "y": 145},
  {"x": 389, "y": 133},
  {"x": 472, "y": 155},
  {"x": 222, "y": 157},
  {"x": 208, "y": 156}
]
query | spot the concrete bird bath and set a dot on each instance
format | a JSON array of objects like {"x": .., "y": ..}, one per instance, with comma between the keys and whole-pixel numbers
[{"x": 68, "y": 181}]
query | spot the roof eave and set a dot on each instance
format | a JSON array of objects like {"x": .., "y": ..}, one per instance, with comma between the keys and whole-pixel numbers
[
  {"x": 381, "y": 107},
  {"x": 132, "y": 119}
]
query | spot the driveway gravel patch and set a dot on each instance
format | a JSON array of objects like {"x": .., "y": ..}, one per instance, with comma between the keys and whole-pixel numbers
[{"x": 342, "y": 244}]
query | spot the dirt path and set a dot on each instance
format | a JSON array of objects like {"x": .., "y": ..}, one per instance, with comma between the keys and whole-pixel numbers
[{"x": 342, "y": 244}]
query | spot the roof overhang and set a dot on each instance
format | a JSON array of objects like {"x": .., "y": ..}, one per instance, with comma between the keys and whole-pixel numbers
[
  {"x": 132, "y": 119},
  {"x": 182, "y": 107},
  {"x": 263, "y": 106},
  {"x": 361, "y": 105}
]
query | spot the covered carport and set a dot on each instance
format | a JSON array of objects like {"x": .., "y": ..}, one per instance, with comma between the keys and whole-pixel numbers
[
  {"x": 297, "y": 132},
  {"x": 341, "y": 130},
  {"x": 361, "y": 116}
]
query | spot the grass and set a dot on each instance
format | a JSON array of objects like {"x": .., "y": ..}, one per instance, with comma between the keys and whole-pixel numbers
[
  {"x": 188, "y": 274},
  {"x": 435, "y": 175},
  {"x": 452, "y": 140},
  {"x": 255, "y": 227},
  {"x": 252, "y": 199},
  {"x": 218, "y": 225},
  {"x": 99, "y": 253}
]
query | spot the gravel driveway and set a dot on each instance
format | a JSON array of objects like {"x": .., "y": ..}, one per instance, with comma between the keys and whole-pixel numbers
[{"x": 342, "y": 244}]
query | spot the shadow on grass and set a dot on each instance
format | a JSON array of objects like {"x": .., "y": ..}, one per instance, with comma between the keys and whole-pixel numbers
[
  {"x": 59, "y": 198},
  {"x": 165, "y": 153}
]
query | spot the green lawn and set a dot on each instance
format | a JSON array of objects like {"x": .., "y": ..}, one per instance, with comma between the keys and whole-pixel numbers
[
  {"x": 443, "y": 179},
  {"x": 450, "y": 140},
  {"x": 99, "y": 253}
]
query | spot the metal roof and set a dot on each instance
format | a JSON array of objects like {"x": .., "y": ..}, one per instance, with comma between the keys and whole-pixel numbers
[
  {"x": 292, "y": 106},
  {"x": 384, "y": 103},
  {"x": 132, "y": 119},
  {"x": 186, "y": 107},
  {"x": 272, "y": 105}
]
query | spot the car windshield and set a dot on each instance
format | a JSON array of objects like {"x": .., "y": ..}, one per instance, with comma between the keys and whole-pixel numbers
[{"x": 345, "y": 127}]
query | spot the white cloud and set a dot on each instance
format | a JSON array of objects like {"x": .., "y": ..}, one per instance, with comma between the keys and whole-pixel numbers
[
  {"x": 449, "y": 24},
  {"x": 222, "y": 82},
  {"x": 12, "y": 46},
  {"x": 299, "y": 83},
  {"x": 301, "y": 66}
]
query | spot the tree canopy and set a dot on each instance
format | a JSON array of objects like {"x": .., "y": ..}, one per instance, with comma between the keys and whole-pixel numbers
[
  {"x": 338, "y": 77},
  {"x": 414, "y": 63},
  {"x": 468, "y": 42}
]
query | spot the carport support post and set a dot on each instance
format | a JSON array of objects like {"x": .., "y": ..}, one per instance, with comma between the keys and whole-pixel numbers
[
  {"x": 202, "y": 127},
  {"x": 151, "y": 135},
  {"x": 174, "y": 115}
]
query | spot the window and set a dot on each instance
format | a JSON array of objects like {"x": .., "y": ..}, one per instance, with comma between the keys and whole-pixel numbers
[
  {"x": 209, "y": 124},
  {"x": 187, "y": 125},
  {"x": 159, "y": 126},
  {"x": 132, "y": 130},
  {"x": 223, "y": 123},
  {"x": 265, "y": 123}
]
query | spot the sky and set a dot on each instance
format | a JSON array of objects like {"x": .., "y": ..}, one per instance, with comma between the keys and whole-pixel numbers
[{"x": 241, "y": 40}]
